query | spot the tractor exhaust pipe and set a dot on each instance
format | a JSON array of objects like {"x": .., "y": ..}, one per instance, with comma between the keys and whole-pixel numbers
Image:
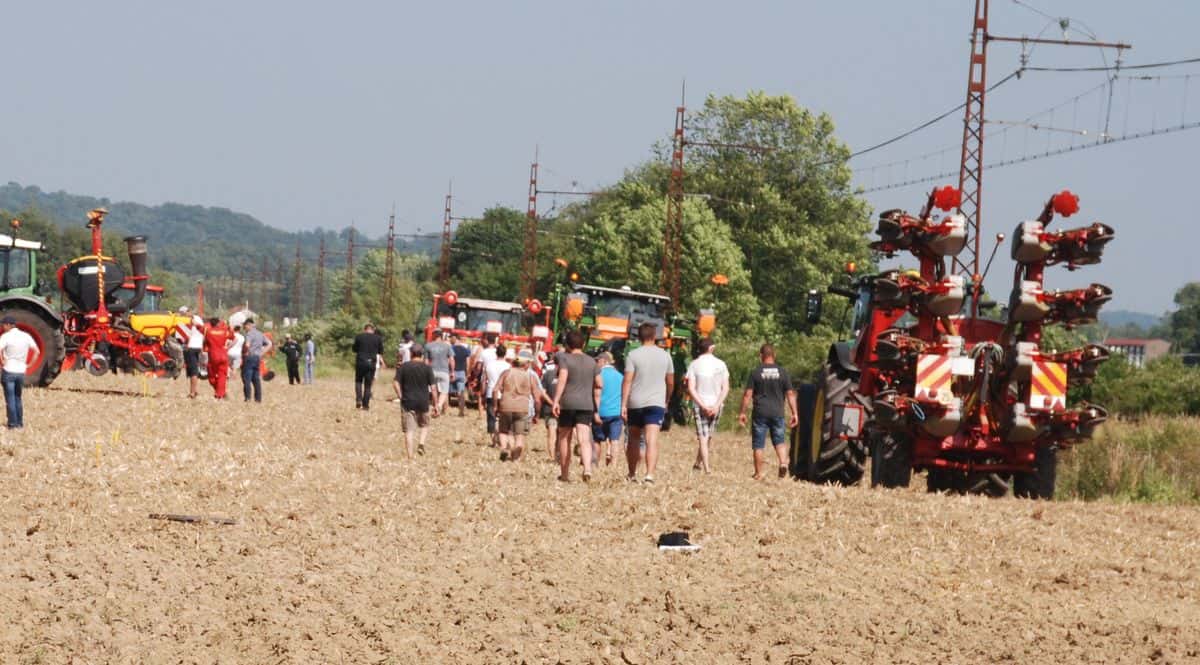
[{"x": 137, "y": 262}]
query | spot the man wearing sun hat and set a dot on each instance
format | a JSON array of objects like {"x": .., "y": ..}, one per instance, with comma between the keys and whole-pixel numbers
[{"x": 18, "y": 350}]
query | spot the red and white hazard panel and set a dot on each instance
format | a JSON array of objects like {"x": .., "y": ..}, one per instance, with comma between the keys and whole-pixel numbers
[
  {"x": 1048, "y": 386},
  {"x": 934, "y": 377}
]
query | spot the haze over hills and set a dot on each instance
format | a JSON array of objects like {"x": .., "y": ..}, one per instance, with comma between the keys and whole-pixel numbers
[
  {"x": 193, "y": 239},
  {"x": 1123, "y": 317}
]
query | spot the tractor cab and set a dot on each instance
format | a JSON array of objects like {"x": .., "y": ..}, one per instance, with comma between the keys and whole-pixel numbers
[
  {"x": 610, "y": 317},
  {"x": 18, "y": 266}
]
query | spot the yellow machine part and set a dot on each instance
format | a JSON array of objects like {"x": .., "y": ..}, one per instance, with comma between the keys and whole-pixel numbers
[
  {"x": 612, "y": 327},
  {"x": 574, "y": 309},
  {"x": 157, "y": 324}
]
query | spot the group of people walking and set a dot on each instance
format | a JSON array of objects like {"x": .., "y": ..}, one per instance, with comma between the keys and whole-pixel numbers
[{"x": 589, "y": 407}]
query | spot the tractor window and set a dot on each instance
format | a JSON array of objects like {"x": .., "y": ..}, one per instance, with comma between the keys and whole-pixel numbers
[
  {"x": 15, "y": 269},
  {"x": 622, "y": 307},
  {"x": 861, "y": 309},
  {"x": 477, "y": 320}
]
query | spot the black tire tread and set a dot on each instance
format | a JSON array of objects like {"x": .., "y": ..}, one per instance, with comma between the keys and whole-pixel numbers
[{"x": 840, "y": 461}]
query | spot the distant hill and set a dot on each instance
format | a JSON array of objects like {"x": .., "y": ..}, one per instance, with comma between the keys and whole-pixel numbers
[
  {"x": 1121, "y": 318},
  {"x": 191, "y": 239}
]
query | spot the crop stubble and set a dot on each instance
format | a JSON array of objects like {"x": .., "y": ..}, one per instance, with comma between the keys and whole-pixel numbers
[{"x": 345, "y": 552}]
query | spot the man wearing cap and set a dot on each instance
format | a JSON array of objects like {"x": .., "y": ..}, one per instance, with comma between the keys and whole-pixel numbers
[
  {"x": 606, "y": 424},
  {"x": 440, "y": 356},
  {"x": 19, "y": 351},
  {"x": 192, "y": 335},
  {"x": 368, "y": 355}
]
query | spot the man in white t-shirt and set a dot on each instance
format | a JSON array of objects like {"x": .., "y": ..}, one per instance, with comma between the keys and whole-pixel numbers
[
  {"x": 491, "y": 377},
  {"x": 18, "y": 350},
  {"x": 707, "y": 382}
]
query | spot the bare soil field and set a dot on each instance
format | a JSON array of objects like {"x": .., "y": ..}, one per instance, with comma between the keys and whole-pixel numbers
[{"x": 344, "y": 552}]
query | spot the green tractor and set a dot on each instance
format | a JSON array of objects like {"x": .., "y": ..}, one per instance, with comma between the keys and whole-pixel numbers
[
  {"x": 33, "y": 314},
  {"x": 609, "y": 320}
]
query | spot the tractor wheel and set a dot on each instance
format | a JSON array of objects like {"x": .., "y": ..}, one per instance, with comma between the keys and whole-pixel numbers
[
  {"x": 891, "y": 460},
  {"x": 1039, "y": 483},
  {"x": 956, "y": 482},
  {"x": 48, "y": 336},
  {"x": 994, "y": 485},
  {"x": 832, "y": 459},
  {"x": 941, "y": 480},
  {"x": 798, "y": 452}
]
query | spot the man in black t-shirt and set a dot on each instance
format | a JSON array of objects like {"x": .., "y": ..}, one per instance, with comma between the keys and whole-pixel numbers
[
  {"x": 368, "y": 355},
  {"x": 416, "y": 387},
  {"x": 770, "y": 387}
]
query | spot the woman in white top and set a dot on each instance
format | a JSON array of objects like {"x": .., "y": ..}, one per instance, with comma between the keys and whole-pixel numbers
[
  {"x": 235, "y": 352},
  {"x": 707, "y": 382}
]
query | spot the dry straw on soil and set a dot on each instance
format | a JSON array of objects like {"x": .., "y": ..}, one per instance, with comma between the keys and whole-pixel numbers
[{"x": 344, "y": 552}]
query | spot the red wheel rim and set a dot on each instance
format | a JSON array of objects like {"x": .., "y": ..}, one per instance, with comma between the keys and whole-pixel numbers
[{"x": 32, "y": 370}]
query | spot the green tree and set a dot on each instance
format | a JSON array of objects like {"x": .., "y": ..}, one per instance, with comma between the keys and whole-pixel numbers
[
  {"x": 790, "y": 206},
  {"x": 485, "y": 260},
  {"x": 624, "y": 244},
  {"x": 1183, "y": 325}
]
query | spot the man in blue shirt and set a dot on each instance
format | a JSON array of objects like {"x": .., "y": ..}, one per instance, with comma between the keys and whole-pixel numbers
[
  {"x": 458, "y": 382},
  {"x": 606, "y": 426}
]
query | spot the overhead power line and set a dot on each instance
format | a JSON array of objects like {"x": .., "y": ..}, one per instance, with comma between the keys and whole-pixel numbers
[
  {"x": 1152, "y": 65},
  {"x": 931, "y": 121}
]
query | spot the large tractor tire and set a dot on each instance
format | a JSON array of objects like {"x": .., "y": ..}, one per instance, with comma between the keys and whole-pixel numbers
[
  {"x": 48, "y": 336},
  {"x": 1039, "y": 483},
  {"x": 891, "y": 460},
  {"x": 798, "y": 452},
  {"x": 832, "y": 459}
]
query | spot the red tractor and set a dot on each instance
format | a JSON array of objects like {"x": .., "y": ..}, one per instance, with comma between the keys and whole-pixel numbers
[
  {"x": 472, "y": 318},
  {"x": 929, "y": 384},
  {"x": 101, "y": 324}
]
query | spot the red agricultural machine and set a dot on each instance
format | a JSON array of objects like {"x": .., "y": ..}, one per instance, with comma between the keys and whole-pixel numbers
[
  {"x": 930, "y": 384},
  {"x": 472, "y": 318},
  {"x": 100, "y": 324}
]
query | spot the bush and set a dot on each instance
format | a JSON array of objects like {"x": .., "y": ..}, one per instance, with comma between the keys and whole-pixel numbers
[
  {"x": 1163, "y": 387},
  {"x": 1155, "y": 460}
]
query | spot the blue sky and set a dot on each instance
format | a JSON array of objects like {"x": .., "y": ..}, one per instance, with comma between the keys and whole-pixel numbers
[{"x": 317, "y": 114}]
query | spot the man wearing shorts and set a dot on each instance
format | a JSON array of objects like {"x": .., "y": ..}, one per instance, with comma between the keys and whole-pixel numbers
[
  {"x": 440, "y": 356},
  {"x": 606, "y": 425},
  {"x": 770, "y": 388},
  {"x": 514, "y": 390},
  {"x": 193, "y": 338},
  {"x": 707, "y": 383},
  {"x": 413, "y": 383},
  {"x": 649, "y": 381},
  {"x": 458, "y": 386},
  {"x": 578, "y": 377}
]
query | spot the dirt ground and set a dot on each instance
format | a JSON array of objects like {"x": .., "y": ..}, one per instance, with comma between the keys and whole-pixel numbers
[{"x": 344, "y": 552}]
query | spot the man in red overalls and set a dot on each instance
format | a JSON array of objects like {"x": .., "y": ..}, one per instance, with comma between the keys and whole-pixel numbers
[{"x": 217, "y": 339}]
